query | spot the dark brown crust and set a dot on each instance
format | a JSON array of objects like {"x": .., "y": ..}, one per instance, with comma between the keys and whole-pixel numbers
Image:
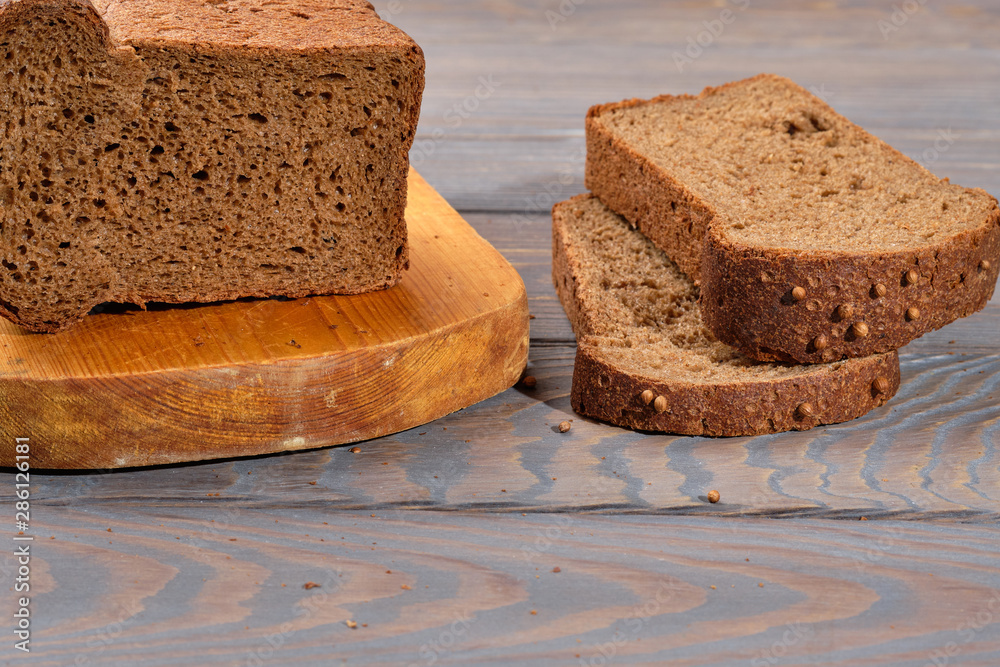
[
  {"x": 602, "y": 391},
  {"x": 12, "y": 11},
  {"x": 746, "y": 290},
  {"x": 746, "y": 298}
]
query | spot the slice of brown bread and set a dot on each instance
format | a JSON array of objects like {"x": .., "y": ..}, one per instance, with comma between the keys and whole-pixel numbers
[
  {"x": 812, "y": 240},
  {"x": 200, "y": 150},
  {"x": 639, "y": 331}
]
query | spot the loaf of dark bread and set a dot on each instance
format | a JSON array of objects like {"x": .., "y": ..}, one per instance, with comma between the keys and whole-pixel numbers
[
  {"x": 811, "y": 239},
  {"x": 646, "y": 361},
  {"x": 199, "y": 150}
]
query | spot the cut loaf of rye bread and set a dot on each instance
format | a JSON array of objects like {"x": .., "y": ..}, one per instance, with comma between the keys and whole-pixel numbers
[
  {"x": 200, "y": 150},
  {"x": 646, "y": 361},
  {"x": 811, "y": 239}
]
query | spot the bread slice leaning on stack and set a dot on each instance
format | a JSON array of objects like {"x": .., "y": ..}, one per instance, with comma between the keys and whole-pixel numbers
[
  {"x": 811, "y": 239},
  {"x": 193, "y": 150},
  {"x": 646, "y": 361}
]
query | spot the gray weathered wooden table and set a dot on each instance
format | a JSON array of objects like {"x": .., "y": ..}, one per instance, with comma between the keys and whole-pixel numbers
[{"x": 489, "y": 537}]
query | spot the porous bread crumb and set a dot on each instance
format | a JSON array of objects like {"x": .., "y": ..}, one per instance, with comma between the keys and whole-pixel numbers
[
  {"x": 638, "y": 325},
  {"x": 643, "y": 309},
  {"x": 783, "y": 169},
  {"x": 187, "y": 150}
]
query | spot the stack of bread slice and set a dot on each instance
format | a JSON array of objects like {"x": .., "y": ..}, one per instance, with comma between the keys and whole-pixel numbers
[{"x": 749, "y": 261}]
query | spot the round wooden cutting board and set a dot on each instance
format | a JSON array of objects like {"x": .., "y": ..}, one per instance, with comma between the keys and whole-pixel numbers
[{"x": 190, "y": 383}]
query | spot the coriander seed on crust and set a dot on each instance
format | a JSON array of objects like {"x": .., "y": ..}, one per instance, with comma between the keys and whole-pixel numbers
[
  {"x": 707, "y": 388},
  {"x": 747, "y": 259}
]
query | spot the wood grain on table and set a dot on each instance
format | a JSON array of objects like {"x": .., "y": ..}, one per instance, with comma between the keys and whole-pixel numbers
[
  {"x": 467, "y": 507},
  {"x": 201, "y": 586}
]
